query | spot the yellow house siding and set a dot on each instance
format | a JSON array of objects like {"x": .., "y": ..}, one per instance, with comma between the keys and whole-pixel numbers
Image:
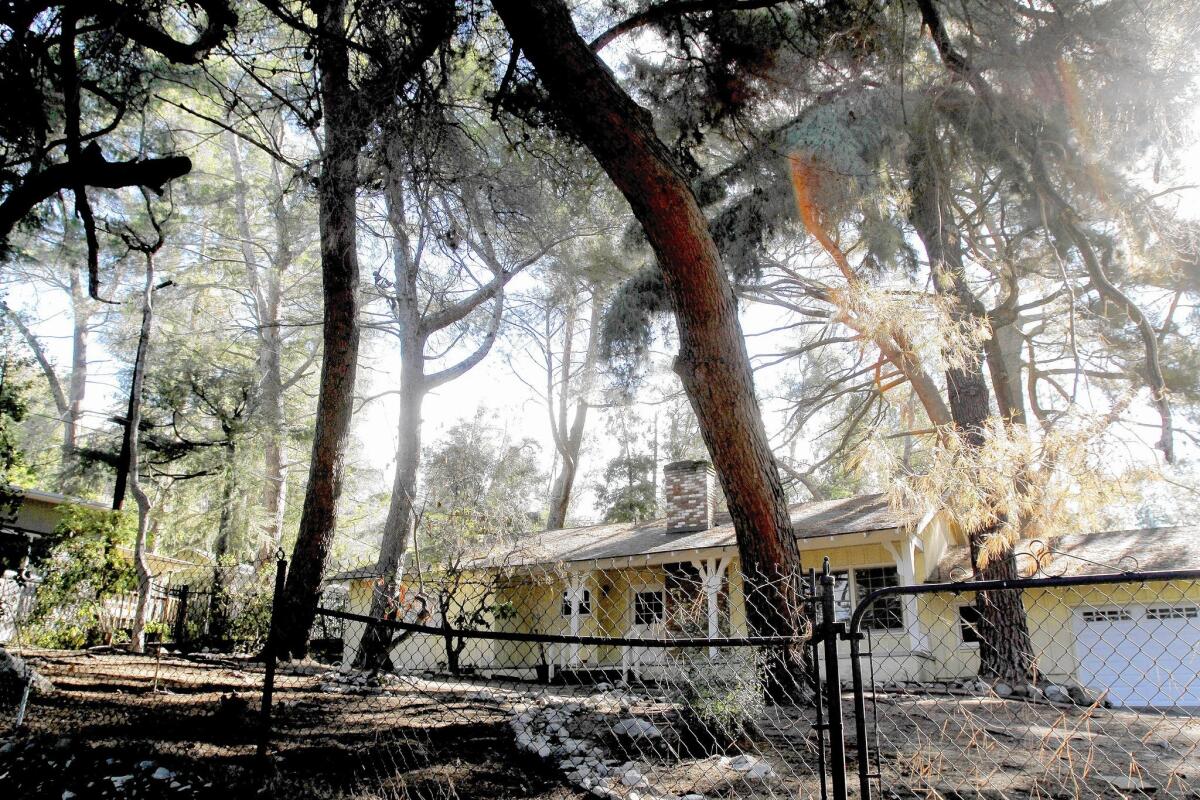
[{"x": 1051, "y": 616}]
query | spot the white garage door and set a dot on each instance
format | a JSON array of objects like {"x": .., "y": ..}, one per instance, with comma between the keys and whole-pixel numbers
[{"x": 1143, "y": 655}]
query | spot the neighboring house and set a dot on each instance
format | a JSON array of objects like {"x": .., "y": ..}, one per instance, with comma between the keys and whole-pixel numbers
[{"x": 37, "y": 516}]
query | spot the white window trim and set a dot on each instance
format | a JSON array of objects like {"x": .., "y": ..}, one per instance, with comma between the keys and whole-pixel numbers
[
  {"x": 564, "y": 600},
  {"x": 854, "y": 598},
  {"x": 963, "y": 644}
]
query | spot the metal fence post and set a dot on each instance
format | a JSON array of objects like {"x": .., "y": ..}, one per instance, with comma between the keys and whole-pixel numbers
[
  {"x": 833, "y": 686},
  {"x": 180, "y": 631},
  {"x": 270, "y": 656},
  {"x": 860, "y": 711}
]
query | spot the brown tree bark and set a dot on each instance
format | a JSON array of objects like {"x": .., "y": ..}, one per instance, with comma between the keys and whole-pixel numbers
[
  {"x": 130, "y": 447},
  {"x": 712, "y": 360},
  {"x": 336, "y": 189},
  {"x": 1005, "y": 648}
]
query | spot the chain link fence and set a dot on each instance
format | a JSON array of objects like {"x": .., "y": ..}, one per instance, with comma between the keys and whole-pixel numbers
[
  {"x": 628, "y": 680},
  {"x": 1092, "y": 692}
]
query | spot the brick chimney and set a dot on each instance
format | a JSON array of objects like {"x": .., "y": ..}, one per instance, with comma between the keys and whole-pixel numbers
[{"x": 691, "y": 492}]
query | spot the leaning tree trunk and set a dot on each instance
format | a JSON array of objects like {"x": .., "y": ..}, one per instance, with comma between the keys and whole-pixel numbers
[
  {"x": 336, "y": 189},
  {"x": 1005, "y": 649},
  {"x": 712, "y": 360},
  {"x": 398, "y": 528},
  {"x": 130, "y": 447}
]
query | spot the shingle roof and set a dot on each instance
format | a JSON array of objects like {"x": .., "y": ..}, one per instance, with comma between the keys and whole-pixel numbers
[
  {"x": 1138, "y": 549},
  {"x": 624, "y": 540}
]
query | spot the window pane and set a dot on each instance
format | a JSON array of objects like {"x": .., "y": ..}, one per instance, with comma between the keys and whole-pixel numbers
[
  {"x": 585, "y": 602},
  {"x": 647, "y": 608},
  {"x": 969, "y": 620},
  {"x": 885, "y": 612}
]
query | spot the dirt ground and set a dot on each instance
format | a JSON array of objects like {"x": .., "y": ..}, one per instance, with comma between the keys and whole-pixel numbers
[
  {"x": 199, "y": 720},
  {"x": 196, "y": 719}
]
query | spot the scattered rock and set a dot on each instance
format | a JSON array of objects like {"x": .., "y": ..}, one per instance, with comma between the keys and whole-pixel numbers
[
  {"x": 635, "y": 728},
  {"x": 1002, "y": 689},
  {"x": 1127, "y": 783}
]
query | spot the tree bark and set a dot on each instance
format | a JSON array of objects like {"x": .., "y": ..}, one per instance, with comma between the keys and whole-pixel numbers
[
  {"x": 712, "y": 360},
  {"x": 336, "y": 189},
  {"x": 130, "y": 448},
  {"x": 1005, "y": 649},
  {"x": 81, "y": 309}
]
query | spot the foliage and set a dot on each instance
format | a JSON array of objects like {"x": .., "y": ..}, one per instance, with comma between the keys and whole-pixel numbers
[
  {"x": 81, "y": 570},
  {"x": 723, "y": 698},
  {"x": 14, "y": 390}
]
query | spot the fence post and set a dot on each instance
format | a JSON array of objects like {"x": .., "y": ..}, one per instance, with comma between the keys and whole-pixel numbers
[
  {"x": 833, "y": 686},
  {"x": 269, "y": 655},
  {"x": 860, "y": 712},
  {"x": 180, "y": 632}
]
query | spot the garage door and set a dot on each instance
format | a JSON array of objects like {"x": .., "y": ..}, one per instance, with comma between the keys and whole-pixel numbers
[{"x": 1143, "y": 655}]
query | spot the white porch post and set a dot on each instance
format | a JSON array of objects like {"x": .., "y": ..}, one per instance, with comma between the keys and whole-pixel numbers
[
  {"x": 576, "y": 585},
  {"x": 712, "y": 573},
  {"x": 906, "y": 570}
]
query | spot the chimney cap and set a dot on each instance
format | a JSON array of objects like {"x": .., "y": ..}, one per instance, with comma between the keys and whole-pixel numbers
[{"x": 689, "y": 465}]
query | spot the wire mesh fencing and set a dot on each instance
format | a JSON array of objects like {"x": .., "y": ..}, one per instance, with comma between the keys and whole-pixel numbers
[
  {"x": 612, "y": 680},
  {"x": 1078, "y": 685},
  {"x": 631, "y": 679},
  {"x": 83, "y": 713}
]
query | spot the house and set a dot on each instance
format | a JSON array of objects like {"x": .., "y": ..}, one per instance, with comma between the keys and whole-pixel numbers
[
  {"x": 36, "y": 518},
  {"x": 1139, "y": 642},
  {"x": 639, "y": 579}
]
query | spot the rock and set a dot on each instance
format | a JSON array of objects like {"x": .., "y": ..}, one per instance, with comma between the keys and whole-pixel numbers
[
  {"x": 632, "y": 778},
  {"x": 162, "y": 774},
  {"x": 120, "y": 780},
  {"x": 1056, "y": 694},
  {"x": 68, "y": 795},
  {"x": 749, "y": 767},
  {"x": 602, "y": 687},
  {"x": 1002, "y": 689},
  {"x": 14, "y": 671},
  {"x": 693, "y": 797},
  {"x": 1127, "y": 783},
  {"x": 635, "y": 728}
]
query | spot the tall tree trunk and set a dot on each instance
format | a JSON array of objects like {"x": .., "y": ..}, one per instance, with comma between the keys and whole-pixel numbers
[
  {"x": 266, "y": 292},
  {"x": 569, "y": 438},
  {"x": 712, "y": 360},
  {"x": 81, "y": 309},
  {"x": 274, "y": 490},
  {"x": 336, "y": 189},
  {"x": 130, "y": 447},
  {"x": 1005, "y": 649},
  {"x": 219, "y": 610}
]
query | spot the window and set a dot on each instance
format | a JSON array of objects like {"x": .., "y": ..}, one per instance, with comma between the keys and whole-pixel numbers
[
  {"x": 1107, "y": 615},
  {"x": 1172, "y": 612},
  {"x": 843, "y": 601},
  {"x": 970, "y": 623},
  {"x": 585, "y": 602},
  {"x": 886, "y": 612},
  {"x": 648, "y": 608}
]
